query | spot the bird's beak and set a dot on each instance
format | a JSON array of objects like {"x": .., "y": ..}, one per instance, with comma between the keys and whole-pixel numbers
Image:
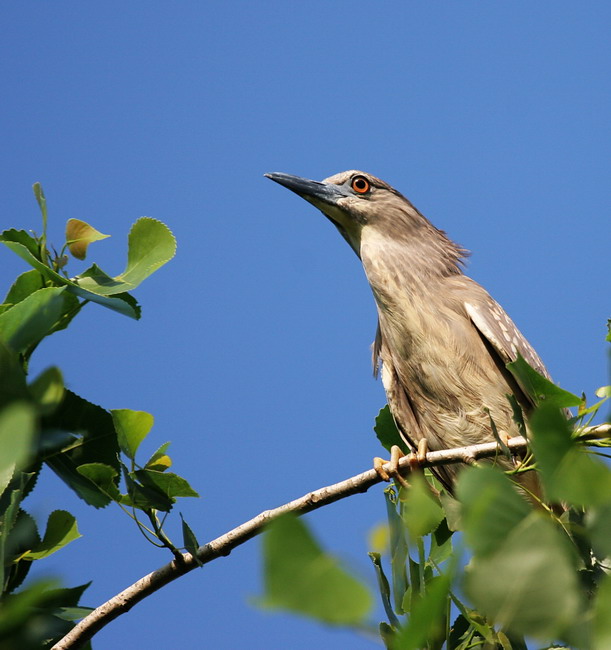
[
  {"x": 327, "y": 198},
  {"x": 317, "y": 193}
]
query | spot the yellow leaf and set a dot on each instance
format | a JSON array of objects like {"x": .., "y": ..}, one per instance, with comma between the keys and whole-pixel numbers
[
  {"x": 79, "y": 234},
  {"x": 379, "y": 538}
]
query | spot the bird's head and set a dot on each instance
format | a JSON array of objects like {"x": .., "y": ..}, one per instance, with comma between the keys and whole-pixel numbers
[
  {"x": 351, "y": 200},
  {"x": 362, "y": 206}
]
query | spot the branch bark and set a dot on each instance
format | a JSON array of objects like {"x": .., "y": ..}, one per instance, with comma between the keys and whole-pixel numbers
[{"x": 223, "y": 545}]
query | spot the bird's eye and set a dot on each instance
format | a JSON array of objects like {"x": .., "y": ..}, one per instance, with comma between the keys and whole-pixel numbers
[{"x": 360, "y": 185}]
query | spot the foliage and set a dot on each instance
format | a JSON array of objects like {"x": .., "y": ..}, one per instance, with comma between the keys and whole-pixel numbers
[
  {"x": 307, "y": 580},
  {"x": 42, "y": 423},
  {"x": 490, "y": 566},
  {"x": 487, "y": 567}
]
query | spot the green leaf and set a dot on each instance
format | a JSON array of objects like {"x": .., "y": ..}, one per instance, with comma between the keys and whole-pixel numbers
[
  {"x": 528, "y": 584},
  {"x": 420, "y": 512},
  {"x": 598, "y": 524},
  {"x": 412, "y": 594},
  {"x": 104, "y": 476},
  {"x": 132, "y": 427},
  {"x": 387, "y": 432},
  {"x": 189, "y": 540},
  {"x": 145, "y": 497},
  {"x": 427, "y": 617},
  {"x": 584, "y": 410},
  {"x": 52, "y": 441},
  {"x": 73, "y": 613},
  {"x": 24, "y": 239},
  {"x": 602, "y": 620},
  {"x": 37, "y": 615},
  {"x": 61, "y": 530},
  {"x": 17, "y": 614},
  {"x": 96, "y": 442},
  {"x": 17, "y": 430},
  {"x": 539, "y": 388},
  {"x": 67, "y": 470},
  {"x": 150, "y": 246},
  {"x": 384, "y": 588},
  {"x": 42, "y": 204},
  {"x": 387, "y": 633},
  {"x": 441, "y": 544},
  {"x": 11, "y": 511},
  {"x": 517, "y": 414},
  {"x": 398, "y": 550},
  {"x": 160, "y": 461},
  {"x": 17, "y": 242},
  {"x": 21, "y": 538},
  {"x": 458, "y": 633},
  {"x": 99, "y": 282},
  {"x": 569, "y": 473},
  {"x": 70, "y": 309},
  {"x": 48, "y": 389},
  {"x": 79, "y": 234},
  {"x": 452, "y": 510},
  {"x": 30, "y": 320},
  {"x": 66, "y": 596},
  {"x": 300, "y": 577},
  {"x": 7, "y": 521},
  {"x": 169, "y": 483},
  {"x": 491, "y": 507},
  {"x": 12, "y": 377},
  {"x": 24, "y": 285}
]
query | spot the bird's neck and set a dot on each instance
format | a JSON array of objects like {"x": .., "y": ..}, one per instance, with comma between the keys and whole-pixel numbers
[{"x": 397, "y": 270}]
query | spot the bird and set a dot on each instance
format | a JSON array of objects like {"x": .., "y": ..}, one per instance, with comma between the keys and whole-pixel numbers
[{"x": 442, "y": 342}]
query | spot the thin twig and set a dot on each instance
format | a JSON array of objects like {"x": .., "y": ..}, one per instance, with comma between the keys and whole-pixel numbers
[{"x": 223, "y": 545}]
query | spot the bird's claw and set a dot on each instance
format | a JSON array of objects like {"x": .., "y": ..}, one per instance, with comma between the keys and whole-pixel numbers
[
  {"x": 418, "y": 458},
  {"x": 387, "y": 469}
]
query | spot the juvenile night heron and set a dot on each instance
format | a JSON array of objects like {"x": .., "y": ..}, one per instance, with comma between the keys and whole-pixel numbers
[{"x": 442, "y": 341}]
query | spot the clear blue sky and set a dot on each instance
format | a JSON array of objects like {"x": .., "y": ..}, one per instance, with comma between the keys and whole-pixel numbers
[{"x": 253, "y": 349}]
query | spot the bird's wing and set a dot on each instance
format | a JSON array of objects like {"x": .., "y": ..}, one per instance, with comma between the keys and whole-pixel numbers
[
  {"x": 501, "y": 332},
  {"x": 376, "y": 349},
  {"x": 504, "y": 341},
  {"x": 495, "y": 326}
]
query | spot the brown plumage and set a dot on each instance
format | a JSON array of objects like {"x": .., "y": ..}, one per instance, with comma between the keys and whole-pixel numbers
[{"x": 442, "y": 341}]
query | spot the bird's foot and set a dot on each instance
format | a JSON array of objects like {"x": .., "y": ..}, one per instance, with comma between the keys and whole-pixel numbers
[
  {"x": 418, "y": 458},
  {"x": 387, "y": 469}
]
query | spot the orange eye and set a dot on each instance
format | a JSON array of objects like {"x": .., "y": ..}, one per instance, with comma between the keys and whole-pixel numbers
[{"x": 360, "y": 185}]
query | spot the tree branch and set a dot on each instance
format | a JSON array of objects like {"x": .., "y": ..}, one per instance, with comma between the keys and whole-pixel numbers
[{"x": 223, "y": 545}]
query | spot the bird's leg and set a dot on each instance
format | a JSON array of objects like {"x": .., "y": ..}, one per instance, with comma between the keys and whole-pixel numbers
[
  {"x": 416, "y": 461},
  {"x": 418, "y": 458},
  {"x": 393, "y": 466}
]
